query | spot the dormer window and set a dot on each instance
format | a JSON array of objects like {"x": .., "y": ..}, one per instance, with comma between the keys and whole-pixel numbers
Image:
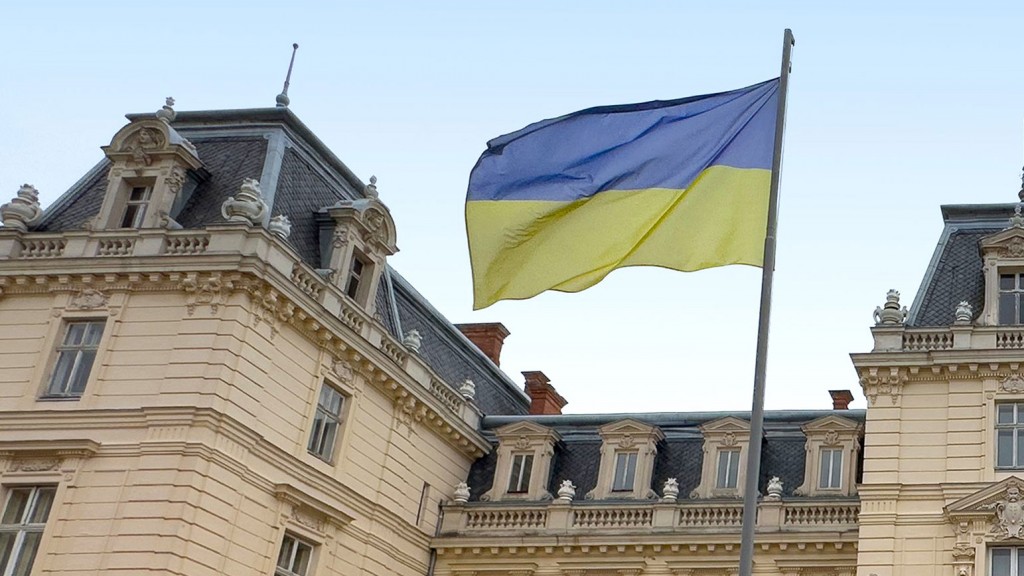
[
  {"x": 522, "y": 468},
  {"x": 1011, "y": 294},
  {"x": 625, "y": 471},
  {"x": 135, "y": 206},
  {"x": 833, "y": 443},
  {"x": 728, "y": 469}
]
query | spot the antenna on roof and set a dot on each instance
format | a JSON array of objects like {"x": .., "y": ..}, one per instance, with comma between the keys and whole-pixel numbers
[{"x": 282, "y": 98}]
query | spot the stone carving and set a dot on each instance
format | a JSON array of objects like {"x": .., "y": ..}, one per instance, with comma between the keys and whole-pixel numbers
[
  {"x": 1014, "y": 384},
  {"x": 246, "y": 206},
  {"x": 963, "y": 552},
  {"x": 23, "y": 210},
  {"x": 374, "y": 220},
  {"x": 964, "y": 313},
  {"x": 670, "y": 491},
  {"x": 627, "y": 441},
  {"x": 167, "y": 113},
  {"x": 141, "y": 142},
  {"x": 343, "y": 370},
  {"x": 1017, "y": 220},
  {"x": 831, "y": 438},
  {"x": 281, "y": 226},
  {"x": 461, "y": 494},
  {"x": 522, "y": 443},
  {"x": 1009, "y": 514},
  {"x": 566, "y": 491},
  {"x": 371, "y": 189},
  {"x": 212, "y": 290},
  {"x": 883, "y": 383},
  {"x": 729, "y": 439},
  {"x": 890, "y": 313},
  {"x": 468, "y": 389},
  {"x": 34, "y": 465},
  {"x": 774, "y": 489},
  {"x": 89, "y": 299},
  {"x": 412, "y": 340}
]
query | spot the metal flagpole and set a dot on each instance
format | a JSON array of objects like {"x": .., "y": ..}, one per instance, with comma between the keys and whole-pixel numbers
[{"x": 761, "y": 362}]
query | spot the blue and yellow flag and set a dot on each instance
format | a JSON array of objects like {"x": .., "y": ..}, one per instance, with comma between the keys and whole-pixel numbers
[{"x": 681, "y": 184}]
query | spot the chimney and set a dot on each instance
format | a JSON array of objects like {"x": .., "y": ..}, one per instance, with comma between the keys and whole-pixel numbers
[
  {"x": 487, "y": 336},
  {"x": 841, "y": 399},
  {"x": 543, "y": 397}
]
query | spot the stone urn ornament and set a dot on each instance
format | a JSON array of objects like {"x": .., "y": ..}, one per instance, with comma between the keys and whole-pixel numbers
[
  {"x": 413, "y": 341},
  {"x": 890, "y": 314},
  {"x": 964, "y": 313},
  {"x": 246, "y": 206},
  {"x": 23, "y": 210},
  {"x": 280, "y": 226},
  {"x": 461, "y": 494},
  {"x": 566, "y": 491},
  {"x": 468, "y": 389},
  {"x": 774, "y": 489},
  {"x": 670, "y": 491}
]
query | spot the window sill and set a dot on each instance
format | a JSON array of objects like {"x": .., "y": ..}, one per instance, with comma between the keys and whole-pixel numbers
[{"x": 58, "y": 398}]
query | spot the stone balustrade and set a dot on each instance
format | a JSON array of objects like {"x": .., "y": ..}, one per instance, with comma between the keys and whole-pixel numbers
[
  {"x": 693, "y": 516},
  {"x": 228, "y": 247},
  {"x": 956, "y": 337}
]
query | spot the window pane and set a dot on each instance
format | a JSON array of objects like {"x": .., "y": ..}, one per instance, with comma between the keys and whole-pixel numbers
[
  {"x": 1020, "y": 310},
  {"x": 1020, "y": 561},
  {"x": 1004, "y": 414},
  {"x": 302, "y": 555},
  {"x": 837, "y": 469},
  {"x": 16, "y": 504},
  {"x": 824, "y": 469},
  {"x": 524, "y": 482},
  {"x": 734, "y": 467},
  {"x": 1004, "y": 448},
  {"x": 27, "y": 555},
  {"x": 315, "y": 434},
  {"x": 93, "y": 332},
  {"x": 284, "y": 557},
  {"x": 81, "y": 373},
  {"x": 1001, "y": 562},
  {"x": 75, "y": 333},
  {"x": 620, "y": 472},
  {"x": 44, "y": 500},
  {"x": 62, "y": 372},
  {"x": 1020, "y": 413},
  {"x": 6, "y": 547},
  {"x": 1006, "y": 281},
  {"x": 630, "y": 471},
  {"x": 1019, "y": 443},
  {"x": 1007, "y": 313}
]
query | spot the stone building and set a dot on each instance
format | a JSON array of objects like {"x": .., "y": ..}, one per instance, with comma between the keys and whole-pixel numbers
[{"x": 209, "y": 367}]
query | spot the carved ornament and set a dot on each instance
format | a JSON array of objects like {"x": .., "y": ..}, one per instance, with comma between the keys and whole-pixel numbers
[
  {"x": 880, "y": 382},
  {"x": 1014, "y": 383},
  {"x": 89, "y": 299},
  {"x": 831, "y": 438},
  {"x": 522, "y": 443},
  {"x": 34, "y": 465},
  {"x": 210, "y": 289}
]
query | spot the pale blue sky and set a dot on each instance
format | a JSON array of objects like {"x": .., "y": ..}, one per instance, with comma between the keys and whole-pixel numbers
[{"x": 894, "y": 110}]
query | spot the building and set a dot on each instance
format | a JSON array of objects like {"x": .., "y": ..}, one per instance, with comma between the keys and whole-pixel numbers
[{"x": 209, "y": 367}]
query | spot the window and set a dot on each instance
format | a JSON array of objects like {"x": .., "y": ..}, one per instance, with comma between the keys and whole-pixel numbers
[
  {"x": 1010, "y": 435},
  {"x": 355, "y": 276},
  {"x": 519, "y": 479},
  {"x": 135, "y": 207},
  {"x": 1007, "y": 561},
  {"x": 75, "y": 357},
  {"x": 728, "y": 468},
  {"x": 294, "y": 558},
  {"x": 625, "y": 471},
  {"x": 326, "y": 422},
  {"x": 21, "y": 528},
  {"x": 830, "y": 473}
]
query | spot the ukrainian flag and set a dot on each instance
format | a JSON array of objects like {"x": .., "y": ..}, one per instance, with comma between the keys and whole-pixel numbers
[{"x": 681, "y": 184}]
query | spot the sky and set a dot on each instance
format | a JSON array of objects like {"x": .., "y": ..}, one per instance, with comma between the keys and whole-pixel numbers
[{"x": 894, "y": 110}]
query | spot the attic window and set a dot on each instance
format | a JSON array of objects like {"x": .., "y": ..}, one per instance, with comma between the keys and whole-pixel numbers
[
  {"x": 1011, "y": 291},
  {"x": 355, "y": 276},
  {"x": 625, "y": 471},
  {"x": 135, "y": 206}
]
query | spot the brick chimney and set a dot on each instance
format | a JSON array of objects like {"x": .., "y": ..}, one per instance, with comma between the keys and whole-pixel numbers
[
  {"x": 487, "y": 336},
  {"x": 543, "y": 397},
  {"x": 841, "y": 399}
]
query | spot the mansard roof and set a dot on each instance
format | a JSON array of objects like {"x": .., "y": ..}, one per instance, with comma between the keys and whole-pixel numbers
[
  {"x": 955, "y": 271},
  {"x": 680, "y": 455},
  {"x": 299, "y": 177}
]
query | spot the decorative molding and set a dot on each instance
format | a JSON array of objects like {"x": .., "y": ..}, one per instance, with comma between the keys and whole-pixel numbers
[
  {"x": 89, "y": 299},
  {"x": 1014, "y": 384},
  {"x": 877, "y": 381},
  {"x": 211, "y": 289}
]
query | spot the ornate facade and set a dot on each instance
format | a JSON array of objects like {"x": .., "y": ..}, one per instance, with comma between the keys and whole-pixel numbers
[{"x": 209, "y": 367}]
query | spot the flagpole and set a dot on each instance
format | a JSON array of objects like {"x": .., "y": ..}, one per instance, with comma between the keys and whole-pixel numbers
[{"x": 761, "y": 361}]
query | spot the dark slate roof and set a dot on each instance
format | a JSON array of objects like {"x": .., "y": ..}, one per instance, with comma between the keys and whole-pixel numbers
[
  {"x": 680, "y": 454},
  {"x": 955, "y": 272},
  {"x": 238, "y": 144},
  {"x": 453, "y": 356}
]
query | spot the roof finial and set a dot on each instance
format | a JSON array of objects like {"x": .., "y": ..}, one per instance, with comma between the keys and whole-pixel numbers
[
  {"x": 167, "y": 113},
  {"x": 282, "y": 98},
  {"x": 1021, "y": 193}
]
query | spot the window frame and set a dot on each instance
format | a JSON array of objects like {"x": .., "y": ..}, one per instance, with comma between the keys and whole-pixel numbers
[
  {"x": 834, "y": 476},
  {"x": 732, "y": 469},
  {"x": 61, "y": 346},
  {"x": 22, "y": 528},
  {"x": 327, "y": 454},
  {"x": 356, "y": 279},
  {"x": 296, "y": 541},
  {"x": 1016, "y": 560},
  {"x": 1016, "y": 427},
  {"x": 141, "y": 206},
  {"x": 624, "y": 470},
  {"x": 520, "y": 474}
]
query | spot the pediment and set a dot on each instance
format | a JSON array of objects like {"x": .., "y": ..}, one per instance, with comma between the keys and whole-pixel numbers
[
  {"x": 527, "y": 429},
  {"x": 831, "y": 422},
  {"x": 371, "y": 217},
  {"x": 983, "y": 501},
  {"x": 143, "y": 142},
  {"x": 1007, "y": 243},
  {"x": 727, "y": 424},
  {"x": 629, "y": 426}
]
